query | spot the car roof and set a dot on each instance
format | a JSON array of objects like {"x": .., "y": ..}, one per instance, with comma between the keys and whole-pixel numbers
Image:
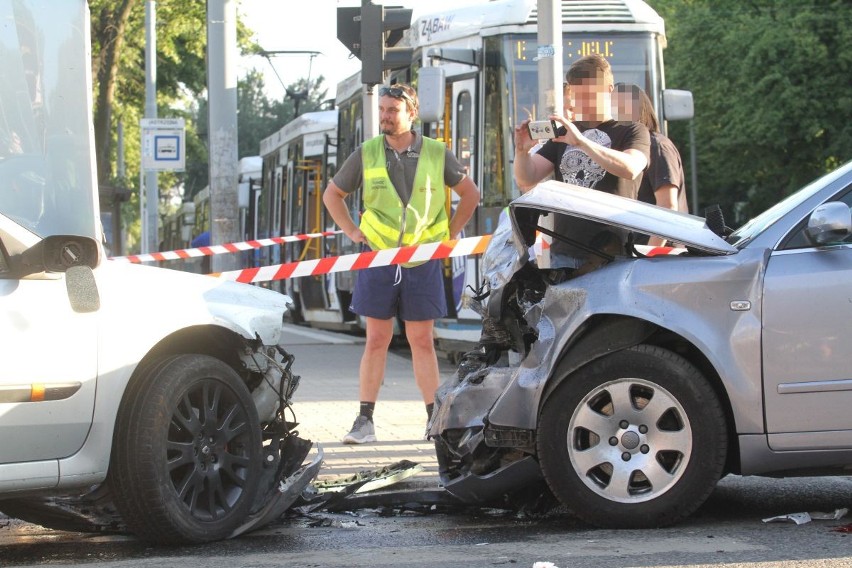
[{"x": 616, "y": 211}]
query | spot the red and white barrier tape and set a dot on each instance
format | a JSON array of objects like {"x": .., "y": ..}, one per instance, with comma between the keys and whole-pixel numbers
[
  {"x": 221, "y": 249},
  {"x": 430, "y": 251},
  {"x": 659, "y": 251}
]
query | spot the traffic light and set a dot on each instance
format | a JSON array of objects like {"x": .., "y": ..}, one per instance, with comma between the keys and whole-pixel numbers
[
  {"x": 349, "y": 29},
  {"x": 378, "y": 30}
]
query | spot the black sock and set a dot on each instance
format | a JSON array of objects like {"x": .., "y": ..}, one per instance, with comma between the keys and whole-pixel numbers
[
  {"x": 367, "y": 409},
  {"x": 429, "y": 408}
]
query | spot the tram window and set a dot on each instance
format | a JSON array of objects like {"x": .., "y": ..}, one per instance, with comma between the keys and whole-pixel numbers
[
  {"x": 496, "y": 177},
  {"x": 632, "y": 55},
  {"x": 464, "y": 131}
]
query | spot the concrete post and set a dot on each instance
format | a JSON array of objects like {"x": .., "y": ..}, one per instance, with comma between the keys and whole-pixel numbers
[{"x": 222, "y": 113}]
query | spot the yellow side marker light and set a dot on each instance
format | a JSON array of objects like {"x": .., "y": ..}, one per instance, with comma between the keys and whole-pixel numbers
[{"x": 37, "y": 392}]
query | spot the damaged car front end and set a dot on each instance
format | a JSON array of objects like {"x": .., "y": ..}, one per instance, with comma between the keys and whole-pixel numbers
[
  {"x": 577, "y": 380},
  {"x": 192, "y": 435}
]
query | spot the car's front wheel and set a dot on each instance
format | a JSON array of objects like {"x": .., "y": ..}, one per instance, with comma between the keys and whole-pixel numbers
[
  {"x": 186, "y": 455},
  {"x": 635, "y": 439}
]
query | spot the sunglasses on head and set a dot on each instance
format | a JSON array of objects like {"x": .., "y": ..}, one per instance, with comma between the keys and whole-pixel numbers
[{"x": 395, "y": 92}]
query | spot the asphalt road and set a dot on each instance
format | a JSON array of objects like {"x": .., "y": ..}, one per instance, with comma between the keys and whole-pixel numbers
[{"x": 727, "y": 531}]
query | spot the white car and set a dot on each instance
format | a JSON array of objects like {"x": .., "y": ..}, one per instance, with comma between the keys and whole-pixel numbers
[{"x": 131, "y": 396}]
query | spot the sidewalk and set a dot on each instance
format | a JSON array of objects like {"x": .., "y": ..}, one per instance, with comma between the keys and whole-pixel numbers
[{"x": 326, "y": 404}]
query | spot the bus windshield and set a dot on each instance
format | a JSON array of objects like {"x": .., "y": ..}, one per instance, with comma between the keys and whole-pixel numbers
[{"x": 46, "y": 172}]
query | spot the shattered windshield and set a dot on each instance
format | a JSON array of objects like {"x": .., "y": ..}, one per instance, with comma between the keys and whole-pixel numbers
[{"x": 46, "y": 164}]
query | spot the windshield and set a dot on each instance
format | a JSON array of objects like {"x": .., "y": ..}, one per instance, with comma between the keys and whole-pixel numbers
[
  {"x": 757, "y": 225},
  {"x": 46, "y": 164}
]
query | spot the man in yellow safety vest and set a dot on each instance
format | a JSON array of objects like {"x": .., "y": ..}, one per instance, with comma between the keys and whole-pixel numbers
[{"x": 404, "y": 178}]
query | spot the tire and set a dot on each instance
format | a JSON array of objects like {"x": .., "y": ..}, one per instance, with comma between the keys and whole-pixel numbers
[
  {"x": 186, "y": 458},
  {"x": 646, "y": 464}
]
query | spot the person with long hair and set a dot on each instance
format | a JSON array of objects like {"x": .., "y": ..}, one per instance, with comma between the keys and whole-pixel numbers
[{"x": 663, "y": 182}]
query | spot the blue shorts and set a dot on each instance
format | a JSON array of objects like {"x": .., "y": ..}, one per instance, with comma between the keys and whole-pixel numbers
[{"x": 418, "y": 296}]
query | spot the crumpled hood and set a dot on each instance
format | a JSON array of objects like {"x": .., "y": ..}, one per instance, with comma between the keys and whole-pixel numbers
[
  {"x": 186, "y": 299},
  {"x": 621, "y": 212}
]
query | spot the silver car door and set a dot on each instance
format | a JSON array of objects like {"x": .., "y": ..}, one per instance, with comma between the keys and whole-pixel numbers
[{"x": 807, "y": 347}]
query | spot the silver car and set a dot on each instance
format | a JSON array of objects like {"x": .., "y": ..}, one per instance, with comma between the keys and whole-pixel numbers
[{"x": 630, "y": 388}]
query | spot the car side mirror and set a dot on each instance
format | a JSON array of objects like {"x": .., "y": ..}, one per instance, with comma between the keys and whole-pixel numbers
[
  {"x": 829, "y": 223},
  {"x": 76, "y": 256},
  {"x": 57, "y": 253}
]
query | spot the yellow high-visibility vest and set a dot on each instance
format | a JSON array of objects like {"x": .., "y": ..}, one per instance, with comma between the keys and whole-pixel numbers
[{"x": 386, "y": 221}]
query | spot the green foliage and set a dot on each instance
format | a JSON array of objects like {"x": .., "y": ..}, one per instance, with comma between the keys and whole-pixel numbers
[
  {"x": 258, "y": 118},
  {"x": 772, "y": 104},
  {"x": 118, "y": 64}
]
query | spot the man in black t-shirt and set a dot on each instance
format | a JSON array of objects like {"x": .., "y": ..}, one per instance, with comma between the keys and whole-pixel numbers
[{"x": 595, "y": 152}]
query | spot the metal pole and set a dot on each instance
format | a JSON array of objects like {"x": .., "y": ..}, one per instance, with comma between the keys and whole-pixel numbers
[
  {"x": 693, "y": 167},
  {"x": 550, "y": 74},
  {"x": 143, "y": 226},
  {"x": 121, "y": 169},
  {"x": 549, "y": 57},
  {"x": 222, "y": 93},
  {"x": 370, "y": 100},
  {"x": 152, "y": 193}
]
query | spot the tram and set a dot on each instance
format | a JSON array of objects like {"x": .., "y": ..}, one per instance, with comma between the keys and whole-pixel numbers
[
  {"x": 297, "y": 162},
  {"x": 187, "y": 226},
  {"x": 487, "y": 53}
]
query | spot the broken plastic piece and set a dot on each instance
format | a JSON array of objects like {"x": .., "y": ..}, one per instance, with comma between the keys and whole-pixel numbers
[
  {"x": 798, "y": 518},
  {"x": 388, "y": 475},
  {"x": 802, "y": 518}
]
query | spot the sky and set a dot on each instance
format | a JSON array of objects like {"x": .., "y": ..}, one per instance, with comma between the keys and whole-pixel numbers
[{"x": 309, "y": 25}]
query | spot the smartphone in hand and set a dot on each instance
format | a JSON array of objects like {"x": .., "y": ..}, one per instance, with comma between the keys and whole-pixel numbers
[{"x": 545, "y": 129}]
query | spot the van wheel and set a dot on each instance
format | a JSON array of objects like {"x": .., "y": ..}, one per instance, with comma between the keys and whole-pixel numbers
[
  {"x": 186, "y": 457},
  {"x": 635, "y": 439}
]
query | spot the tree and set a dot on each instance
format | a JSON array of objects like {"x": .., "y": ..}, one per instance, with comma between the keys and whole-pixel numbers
[
  {"x": 118, "y": 64},
  {"x": 772, "y": 109},
  {"x": 259, "y": 117}
]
